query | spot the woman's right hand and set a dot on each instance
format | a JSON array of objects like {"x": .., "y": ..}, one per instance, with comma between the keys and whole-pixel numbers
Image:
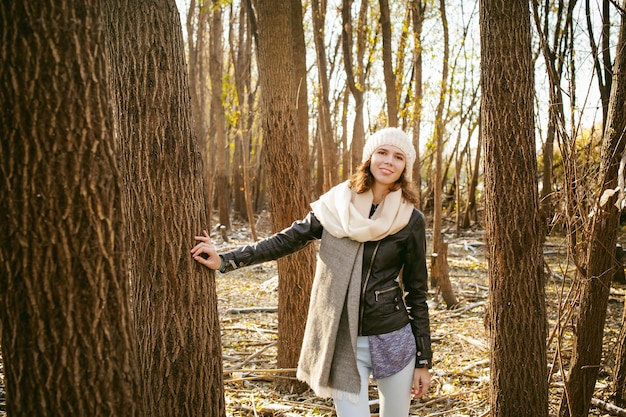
[{"x": 204, "y": 252}]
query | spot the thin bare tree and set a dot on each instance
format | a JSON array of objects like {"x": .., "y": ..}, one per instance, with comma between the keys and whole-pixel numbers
[
  {"x": 599, "y": 268},
  {"x": 440, "y": 271},
  {"x": 388, "y": 71},
  {"x": 357, "y": 69},
  {"x": 329, "y": 147}
]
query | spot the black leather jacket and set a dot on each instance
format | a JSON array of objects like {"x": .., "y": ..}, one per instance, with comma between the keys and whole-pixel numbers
[{"x": 382, "y": 309}]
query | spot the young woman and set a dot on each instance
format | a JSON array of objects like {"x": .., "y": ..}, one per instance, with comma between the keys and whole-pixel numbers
[{"x": 368, "y": 313}]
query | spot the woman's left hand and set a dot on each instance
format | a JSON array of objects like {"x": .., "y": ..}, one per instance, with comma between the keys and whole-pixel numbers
[
  {"x": 421, "y": 382},
  {"x": 205, "y": 253}
]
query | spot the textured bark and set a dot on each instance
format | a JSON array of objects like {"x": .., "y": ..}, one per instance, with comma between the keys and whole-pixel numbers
[
  {"x": 67, "y": 334},
  {"x": 287, "y": 185},
  {"x": 174, "y": 299},
  {"x": 516, "y": 317},
  {"x": 600, "y": 262}
]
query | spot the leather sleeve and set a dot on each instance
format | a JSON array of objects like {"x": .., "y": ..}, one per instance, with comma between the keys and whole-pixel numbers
[
  {"x": 415, "y": 280},
  {"x": 285, "y": 242}
]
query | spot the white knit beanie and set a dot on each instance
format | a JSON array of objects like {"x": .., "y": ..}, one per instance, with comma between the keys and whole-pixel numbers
[{"x": 391, "y": 136}]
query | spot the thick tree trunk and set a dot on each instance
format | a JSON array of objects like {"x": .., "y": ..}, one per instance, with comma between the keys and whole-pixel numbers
[
  {"x": 600, "y": 262},
  {"x": 174, "y": 300},
  {"x": 68, "y": 342},
  {"x": 287, "y": 185},
  {"x": 516, "y": 316}
]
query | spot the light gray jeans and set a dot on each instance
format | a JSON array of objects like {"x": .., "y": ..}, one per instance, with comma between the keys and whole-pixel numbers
[{"x": 394, "y": 391}]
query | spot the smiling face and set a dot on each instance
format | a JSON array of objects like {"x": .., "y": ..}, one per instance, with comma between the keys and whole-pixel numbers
[{"x": 387, "y": 164}]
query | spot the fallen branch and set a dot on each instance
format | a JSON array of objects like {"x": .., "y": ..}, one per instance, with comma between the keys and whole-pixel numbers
[
  {"x": 257, "y": 354},
  {"x": 250, "y": 329},
  {"x": 259, "y": 378},
  {"x": 474, "y": 342},
  {"x": 252, "y": 310},
  {"x": 609, "y": 408},
  {"x": 260, "y": 371}
]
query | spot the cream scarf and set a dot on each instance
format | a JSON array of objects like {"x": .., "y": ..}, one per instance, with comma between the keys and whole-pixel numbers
[
  {"x": 328, "y": 356},
  {"x": 344, "y": 213}
]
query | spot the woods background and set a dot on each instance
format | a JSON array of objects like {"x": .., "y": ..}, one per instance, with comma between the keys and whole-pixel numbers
[{"x": 125, "y": 133}]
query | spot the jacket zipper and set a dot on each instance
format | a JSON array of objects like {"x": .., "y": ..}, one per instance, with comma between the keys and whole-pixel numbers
[
  {"x": 367, "y": 278},
  {"x": 378, "y": 292}
]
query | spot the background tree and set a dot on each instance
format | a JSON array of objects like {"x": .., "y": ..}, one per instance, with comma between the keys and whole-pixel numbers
[
  {"x": 516, "y": 282},
  {"x": 602, "y": 55},
  {"x": 439, "y": 271},
  {"x": 302, "y": 90},
  {"x": 174, "y": 300},
  {"x": 217, "y": 120},
  {"x": 328, "y": 147},
  {"x": 68, "y": 341},
  {"x": 196, "y": 25},
  {"x": 599, "y": 268},
  {"x": 555, "y": 56},
  {"x": 356, "y": 72},
  {"x": 388, "y": 71},
  {"x": 418, "y": 9},
  {"x": 287, "y": 184},
  {"x": 241, "y": 58}
]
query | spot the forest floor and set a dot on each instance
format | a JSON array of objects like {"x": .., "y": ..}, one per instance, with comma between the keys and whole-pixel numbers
[
  {"x": 460, "y": 375},
  {"x": 247, "y": 301}
]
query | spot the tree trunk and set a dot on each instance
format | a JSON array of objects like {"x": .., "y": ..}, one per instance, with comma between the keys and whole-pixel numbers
[
  {"x": 174, "y": 299},
  {"x": 287, "y": 185},
  {"x": 442, "y": 280},
  {"x": 619, "y": 383},
  {"x": 471, "y": 198},
  {"x": 196, "y": 28},
  {"x": 555, "y": 58},
  {"x": 329, "y": 148},
  {"x": 218, "y": 118},
  {"x": 302, "y": 94},
  {"x": 390, "y": 79},
  {"x": 418, "y": 9},
  {"x": 602, "y": 60},
  {"x": 516, "y": 316},
  {"x": 242, "y": 68},
  {"x": 68, "y": 341},
  {"x": 600, "y": 262},
  {"x": 355, "y": 77}
]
